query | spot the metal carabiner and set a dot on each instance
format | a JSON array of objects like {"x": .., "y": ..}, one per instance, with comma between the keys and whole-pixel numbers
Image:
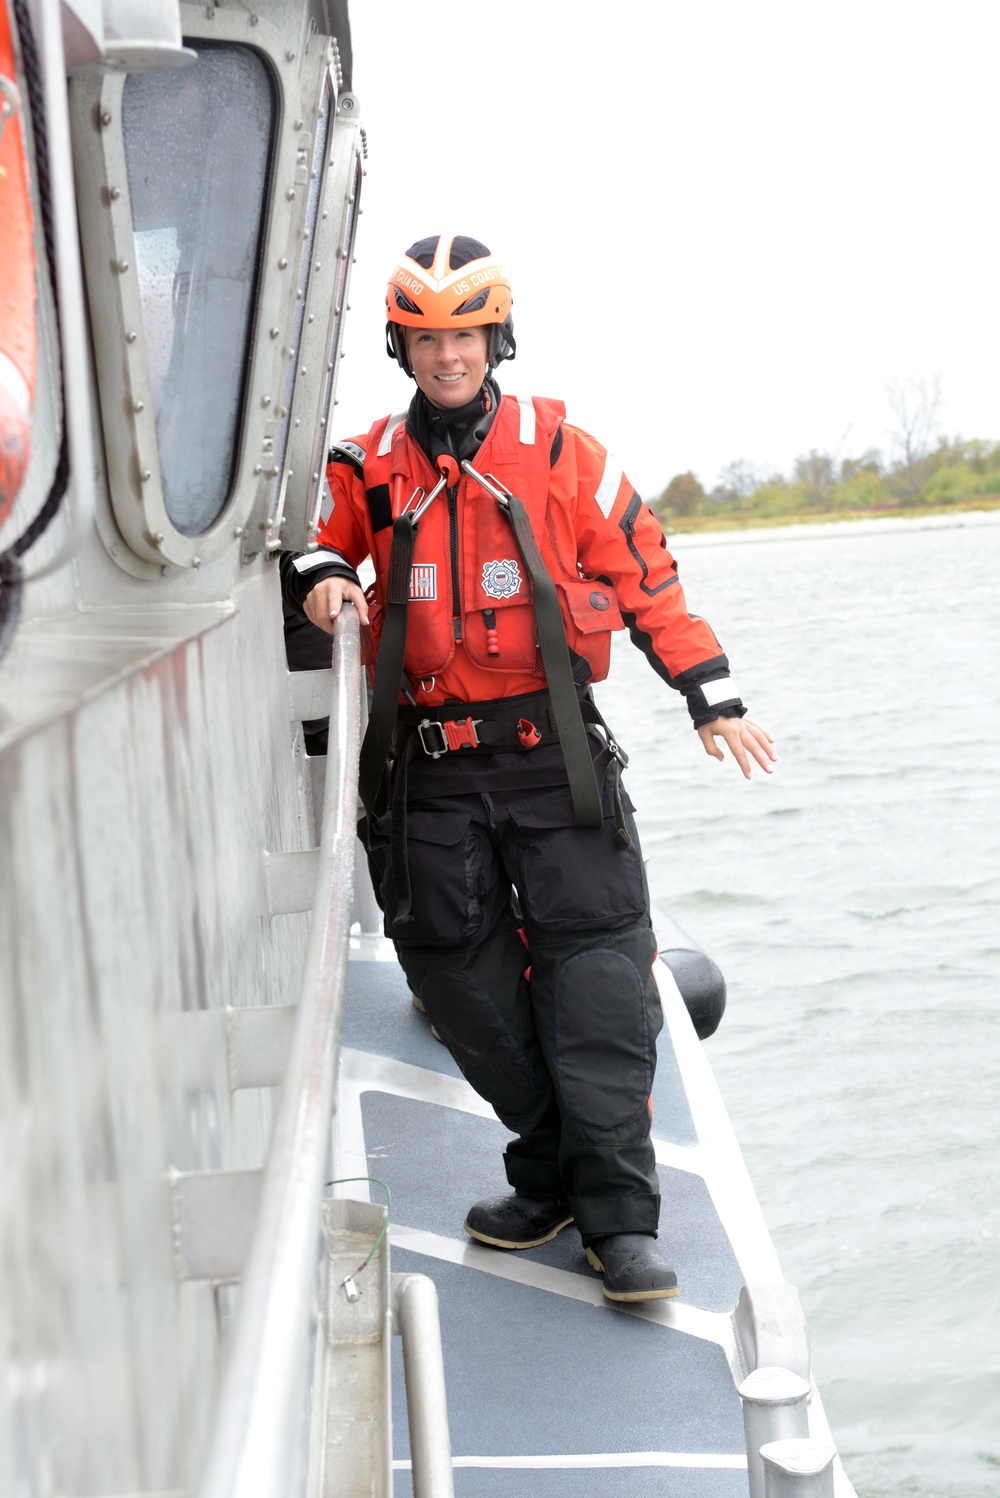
[
  {"x": 490, "y": 483},
  {"x": 417, "y": 493},
  {"x": 417, "y": 497},
  {"x": 432, "y": 496}
]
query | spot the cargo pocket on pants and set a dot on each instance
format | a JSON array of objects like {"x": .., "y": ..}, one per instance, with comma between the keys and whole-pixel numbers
[
  {"x": 447, "y": 880},
  {"x": 575, "y": 878}
]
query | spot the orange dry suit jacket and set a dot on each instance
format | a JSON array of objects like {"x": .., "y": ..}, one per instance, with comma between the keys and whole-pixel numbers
[{"x": 468, "y": 587}]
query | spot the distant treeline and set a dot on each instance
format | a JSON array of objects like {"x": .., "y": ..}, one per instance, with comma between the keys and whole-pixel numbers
[{"x": 954, "y": 473}]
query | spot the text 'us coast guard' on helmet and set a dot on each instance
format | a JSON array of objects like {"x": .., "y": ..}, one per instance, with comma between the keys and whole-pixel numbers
[{"x": 449, "y": 281}]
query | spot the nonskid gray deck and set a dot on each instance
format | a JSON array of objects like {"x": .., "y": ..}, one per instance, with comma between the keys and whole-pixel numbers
[{"x": 550, "y": 1389}]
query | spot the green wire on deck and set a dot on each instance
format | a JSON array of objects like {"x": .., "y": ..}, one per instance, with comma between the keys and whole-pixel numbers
[{"x": 372, "y": 1181}]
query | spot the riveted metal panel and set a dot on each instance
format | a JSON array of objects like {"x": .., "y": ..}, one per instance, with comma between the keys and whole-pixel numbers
[{"x": 322, "y": 335}]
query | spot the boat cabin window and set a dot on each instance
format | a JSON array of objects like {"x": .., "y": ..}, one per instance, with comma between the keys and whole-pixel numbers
[{"x": 197, "y": 144}]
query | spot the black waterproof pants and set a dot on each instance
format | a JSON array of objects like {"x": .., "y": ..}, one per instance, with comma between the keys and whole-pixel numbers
[{"x": 556, "y": 1029}]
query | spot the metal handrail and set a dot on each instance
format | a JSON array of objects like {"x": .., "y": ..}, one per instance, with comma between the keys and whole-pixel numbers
[
  {"x": 415, "y": 1315},
  {"x": 253, "y": 1439}
]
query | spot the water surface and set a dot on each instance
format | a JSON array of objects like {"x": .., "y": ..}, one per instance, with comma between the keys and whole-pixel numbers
[{"x": 852, "y": 901}]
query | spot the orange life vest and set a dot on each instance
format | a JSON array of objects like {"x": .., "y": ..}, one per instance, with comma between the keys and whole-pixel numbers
[{"x": 468, "y": 584}]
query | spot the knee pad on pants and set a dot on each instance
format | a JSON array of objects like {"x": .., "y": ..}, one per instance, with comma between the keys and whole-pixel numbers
[
  {"x": 605, "y": 1052},
  {"x": 481, "y": 1042}
]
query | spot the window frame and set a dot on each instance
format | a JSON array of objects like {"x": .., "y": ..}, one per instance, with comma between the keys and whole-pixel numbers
[{"x": 139, "y": 519}]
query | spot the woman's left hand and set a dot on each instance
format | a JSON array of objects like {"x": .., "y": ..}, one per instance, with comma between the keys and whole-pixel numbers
[{"x": 741, "y": 735}]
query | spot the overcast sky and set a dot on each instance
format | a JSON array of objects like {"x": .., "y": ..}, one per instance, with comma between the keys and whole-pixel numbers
[{"x": 727, "y": 225}]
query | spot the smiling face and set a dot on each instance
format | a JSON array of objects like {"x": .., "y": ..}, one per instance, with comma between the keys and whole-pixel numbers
[{"x": 449, "y": 364}]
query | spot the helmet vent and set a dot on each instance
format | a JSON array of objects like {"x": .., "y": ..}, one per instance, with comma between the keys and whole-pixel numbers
[
  {"x": 463, "y": 249},
  {"x": 404, "y": 304},
  {"x": 474, "y": 304},
  {"x": 423, "y": 251}
]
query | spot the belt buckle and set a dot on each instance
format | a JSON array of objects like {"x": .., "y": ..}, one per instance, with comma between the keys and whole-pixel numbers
[
  {"x": 455, "y": 733},
  {"x": 442, "y": 746},
  {"x": 460, "y": 733}
]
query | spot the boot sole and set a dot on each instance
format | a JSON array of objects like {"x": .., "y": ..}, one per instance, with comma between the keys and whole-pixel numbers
[
  {"x": 507, "y": 1243},
  {"x": 667, "y": 1294}
]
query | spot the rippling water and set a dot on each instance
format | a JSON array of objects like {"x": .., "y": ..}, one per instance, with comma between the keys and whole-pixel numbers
[{"x": 852, "y": 900}]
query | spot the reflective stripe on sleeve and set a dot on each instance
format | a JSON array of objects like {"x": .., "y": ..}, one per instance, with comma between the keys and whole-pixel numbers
[
  {"x": 724, "y": 690},
  {"x": 608, "y": 488},
  {"x": 527, "y": 433},
  {"x": 321, "y": 558}
]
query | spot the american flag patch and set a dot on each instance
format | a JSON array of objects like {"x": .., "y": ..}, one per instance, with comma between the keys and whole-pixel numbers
[{"x": 423, "y": 582}]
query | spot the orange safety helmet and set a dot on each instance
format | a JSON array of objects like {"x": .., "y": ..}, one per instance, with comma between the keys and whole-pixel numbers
[{"x": 449, "y": 280}]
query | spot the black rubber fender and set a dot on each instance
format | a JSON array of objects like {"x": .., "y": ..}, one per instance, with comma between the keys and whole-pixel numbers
[{"x": 701, "y": 984}]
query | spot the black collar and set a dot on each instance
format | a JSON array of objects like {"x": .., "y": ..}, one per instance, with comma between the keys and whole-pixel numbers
[{"x": 460, "y": 432}]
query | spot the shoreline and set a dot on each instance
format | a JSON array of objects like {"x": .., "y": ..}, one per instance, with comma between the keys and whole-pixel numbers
[{"x": 829, "y": 529}]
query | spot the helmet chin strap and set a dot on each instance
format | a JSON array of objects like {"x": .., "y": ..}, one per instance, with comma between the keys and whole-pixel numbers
[
  {"x": 501, "y": 344},
  {"x": 395, "y": 347}
]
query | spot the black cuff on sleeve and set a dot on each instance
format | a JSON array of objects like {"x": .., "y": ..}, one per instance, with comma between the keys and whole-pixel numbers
[
  {"x": 296, "y": 585},
  {"x": 704, "y": 711}
]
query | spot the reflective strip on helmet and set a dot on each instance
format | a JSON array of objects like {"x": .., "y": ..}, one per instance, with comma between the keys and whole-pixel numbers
[
  {"x": 608, "y": 488},
  {"x": 390, "y": 432},
  {"x": 527, "y": 405}
]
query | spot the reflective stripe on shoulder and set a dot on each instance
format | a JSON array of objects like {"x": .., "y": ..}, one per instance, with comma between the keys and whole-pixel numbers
[
  {"x": 390, "y": 432},
  {"x": 608, "y": 488},
  {"x": 527, "y": 433},
  {"x": 322, "y": 558},
  {"x": 350, "y": 450}
]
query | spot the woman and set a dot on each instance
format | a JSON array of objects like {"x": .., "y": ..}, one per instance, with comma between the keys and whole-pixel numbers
[{"x": 508, "y": 545}]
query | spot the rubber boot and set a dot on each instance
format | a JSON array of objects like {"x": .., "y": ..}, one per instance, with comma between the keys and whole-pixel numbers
[
  {"x": 633, "y": 1267},
  {"x": 421, "y": 1008},
  {"x": 517, "y": 1221}
]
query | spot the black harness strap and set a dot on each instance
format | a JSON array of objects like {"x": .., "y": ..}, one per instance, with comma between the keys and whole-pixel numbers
[
  {"x": 612, "y": 751},
  {"x": 584, "y": 781},
  {"x": 389, "y": 674}
]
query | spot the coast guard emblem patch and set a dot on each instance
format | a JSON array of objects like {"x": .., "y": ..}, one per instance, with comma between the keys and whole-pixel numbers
[
  {"x": 501, "y": 579},
  {"x": 423, "y": 582}
]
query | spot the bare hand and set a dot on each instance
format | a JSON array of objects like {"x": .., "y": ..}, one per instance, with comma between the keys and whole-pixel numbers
[
  {"x": 323, "y": 603},
  {"x": 741, "y": 735}
]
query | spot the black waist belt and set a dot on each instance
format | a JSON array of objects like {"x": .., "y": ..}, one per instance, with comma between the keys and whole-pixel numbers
[
  {"x": 508, "y": 723},
  {"x": 517, "y": 724}
]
